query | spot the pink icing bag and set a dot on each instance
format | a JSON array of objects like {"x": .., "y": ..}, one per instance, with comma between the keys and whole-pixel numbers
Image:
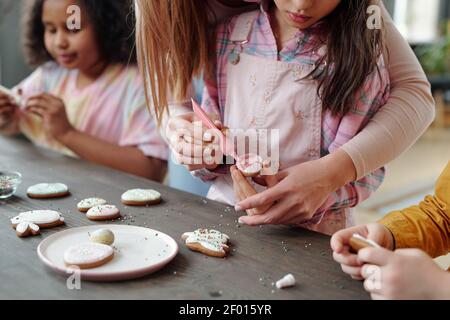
[{"x": 226, "y": 144}]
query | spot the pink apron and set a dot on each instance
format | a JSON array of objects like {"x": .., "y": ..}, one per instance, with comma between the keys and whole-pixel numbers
[{"x": 266, "y": 94}]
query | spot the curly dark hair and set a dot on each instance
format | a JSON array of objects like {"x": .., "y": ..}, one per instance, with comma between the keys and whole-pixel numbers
[{"x": 113, "y": 22}]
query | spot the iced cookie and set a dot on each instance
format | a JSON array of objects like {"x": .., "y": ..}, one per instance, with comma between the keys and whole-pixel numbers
[
  {"x": 104, "y": 212},
  {"x": 209, "y": 242},
  {"x": 88, "y": 255},
  {"x": 48, "y": 191},
  {"x": 26, "y": 229},
  {"x": 103, "y": 236},
  {"x": 250, "y": 165},
  {"x": 141, "y": 197},
  {"x": 30, "y": 223},
  {"x": 86, "y": 204}
]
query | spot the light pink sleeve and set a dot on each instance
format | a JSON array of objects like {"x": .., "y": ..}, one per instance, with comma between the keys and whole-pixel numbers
[
  {"x": 140, "y": 129},
  {"x": 405, "y": 117},
  {"x": 34, "y": 84}
]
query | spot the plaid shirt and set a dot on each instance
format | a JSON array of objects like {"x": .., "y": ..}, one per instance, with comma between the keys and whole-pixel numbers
[{"x": 304, "y": 49}]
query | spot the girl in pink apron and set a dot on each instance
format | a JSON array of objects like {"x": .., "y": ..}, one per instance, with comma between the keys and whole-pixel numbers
[{"x": 263, "y": 83}]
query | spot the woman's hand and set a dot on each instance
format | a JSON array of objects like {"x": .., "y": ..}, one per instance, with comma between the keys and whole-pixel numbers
[
  {"x": 53, "y": 113},
  {"x": 194, "y": 145},
  {"x": 403, "y": 274},
  {"x": 301, "y": 190},
  {"x": 343, "y": 254}
]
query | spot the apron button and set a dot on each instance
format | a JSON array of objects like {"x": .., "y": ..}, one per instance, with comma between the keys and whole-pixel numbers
[{"x": 234, "y": 58}]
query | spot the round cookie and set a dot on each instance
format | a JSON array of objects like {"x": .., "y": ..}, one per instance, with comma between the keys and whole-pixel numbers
[
  {"x": 30, "y": 223},
  {"x": 141, "y": 197},
  {"x": 103, "y": 236},
  {"x": 209, "y": 242},
  {"x": 88, "y": 255},
  {"x": 86, "y": 204},
  {"x": 103, "y": 212},
  {"x": 48, "y": 191}
]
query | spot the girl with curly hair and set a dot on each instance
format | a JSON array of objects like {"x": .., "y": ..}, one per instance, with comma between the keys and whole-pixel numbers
[{"x": 86, "y": 96}]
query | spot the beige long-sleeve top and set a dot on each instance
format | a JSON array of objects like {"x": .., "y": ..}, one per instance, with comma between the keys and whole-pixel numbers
[
  {"x": 398, "y": 124},
  {"x": 408, "y": 113}
]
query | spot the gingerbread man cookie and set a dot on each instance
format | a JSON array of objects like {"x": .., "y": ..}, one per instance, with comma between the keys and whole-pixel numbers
[
  {"x": 30, "y": 223},
  {"x": 48, "y": 191},
  {"x": 209, "y": 242}
]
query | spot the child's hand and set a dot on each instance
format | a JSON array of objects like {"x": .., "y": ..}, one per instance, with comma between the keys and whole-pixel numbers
[
  {"x": 300, "y": 192},
  {"x": 53, "y": 113},
  {"x": 8, "y": 108},
  {"x": 406, "y": 274},
  {"x": 193, "y": 144},
  {"x": 342, "y": 253}
]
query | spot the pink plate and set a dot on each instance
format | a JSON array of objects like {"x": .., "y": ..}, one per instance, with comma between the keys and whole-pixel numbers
[{"x": 137, "y": 252}]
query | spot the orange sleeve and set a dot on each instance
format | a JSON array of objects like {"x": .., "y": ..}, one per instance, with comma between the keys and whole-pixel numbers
[{"x": 426, "y": 226}]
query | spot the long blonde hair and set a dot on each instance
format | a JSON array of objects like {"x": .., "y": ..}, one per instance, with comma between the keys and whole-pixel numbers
[{"x": 172, "y": 48}]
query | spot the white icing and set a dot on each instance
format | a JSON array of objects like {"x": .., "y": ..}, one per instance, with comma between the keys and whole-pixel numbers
[
  {"x": 22, "y": 227},
  {"x": 287, "y": 281},
  {"x": 34, "y": 227},
  {"x": 48, "y": 189},
  {"x": 90, "y": 203},
  {"x": 38, "y": 217},
  {"x": 141, "y": 195},
  {"x": 103, "y": 211},
  {"x": 250, "y": 163},
  {"x": 253, "y": 168},
  {"x": 87, "y": 253},
  {"x": 209, "y": 239},
  {"x": 103, "y": 236}
]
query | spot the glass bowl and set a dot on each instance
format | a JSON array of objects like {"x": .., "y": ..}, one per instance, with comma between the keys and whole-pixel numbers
[{"x": 9, "y": 181}]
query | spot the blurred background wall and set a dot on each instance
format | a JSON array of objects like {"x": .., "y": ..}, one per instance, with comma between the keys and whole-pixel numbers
[{"x": 12, "y": 66}]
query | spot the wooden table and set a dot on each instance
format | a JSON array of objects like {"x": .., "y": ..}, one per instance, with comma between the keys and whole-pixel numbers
[{"x": 259, "y": 257}]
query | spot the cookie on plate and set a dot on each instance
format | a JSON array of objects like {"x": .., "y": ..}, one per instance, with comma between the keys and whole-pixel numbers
[
  {"x": 212, "y": 243},
  {"x": 86, "y": 204},
  {"x": 88, "y": 255},
  {"x": 30, "y": 222},
  {"x": 141, "y": 197},
  {"x": 103, "y": 212},
  {"x": 48, "y": 191}
]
